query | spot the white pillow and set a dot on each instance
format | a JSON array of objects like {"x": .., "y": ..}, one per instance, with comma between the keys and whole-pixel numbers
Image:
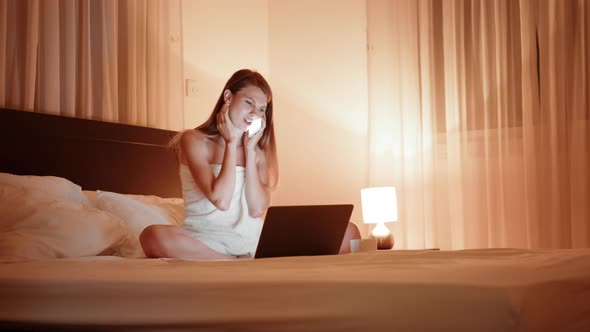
[
  {"x": 46, "y": 186},
  {"x": 138, "y": 212},
  {"x": 49, "y": 217},
  {"x": 172, "y": 209}
]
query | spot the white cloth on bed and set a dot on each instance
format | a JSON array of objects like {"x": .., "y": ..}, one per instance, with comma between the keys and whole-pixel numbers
[
  {"x": 47, "y": 217},
  {"x": 230, "y": 232}
]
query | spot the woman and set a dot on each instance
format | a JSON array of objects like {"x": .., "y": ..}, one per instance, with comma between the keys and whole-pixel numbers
[{"x": 226, "y": 177}]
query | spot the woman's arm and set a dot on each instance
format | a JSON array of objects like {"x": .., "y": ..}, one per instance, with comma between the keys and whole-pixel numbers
[
  {"x": 218, "y": 191},
  {"x": 257, "y": 193}
]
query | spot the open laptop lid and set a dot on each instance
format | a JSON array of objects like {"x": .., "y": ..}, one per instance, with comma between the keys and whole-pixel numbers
[{"x": 303, "y": 230}]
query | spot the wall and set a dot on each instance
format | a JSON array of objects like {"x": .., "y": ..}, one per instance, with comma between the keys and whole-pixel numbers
[
  {"x": 220, "y": 37},
  {"x": 314, "y": 56},
  {"x": 318, "y": 69}
]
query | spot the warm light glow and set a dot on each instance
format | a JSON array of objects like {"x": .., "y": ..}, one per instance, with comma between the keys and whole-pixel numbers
[
  {"x": 254, "y": 127},
  {"x": 379, "y": 205},
  {"x": 380, "y": 230}
]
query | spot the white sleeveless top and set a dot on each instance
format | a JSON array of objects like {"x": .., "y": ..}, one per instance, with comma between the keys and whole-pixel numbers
[{"x": 231, "y": 232}]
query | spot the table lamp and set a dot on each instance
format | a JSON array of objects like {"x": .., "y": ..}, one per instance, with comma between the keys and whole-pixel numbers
[{"x": 380, "y": 206}]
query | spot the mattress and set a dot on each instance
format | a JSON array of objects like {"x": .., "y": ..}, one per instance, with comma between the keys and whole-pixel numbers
[{"x": 399, "y": 290}]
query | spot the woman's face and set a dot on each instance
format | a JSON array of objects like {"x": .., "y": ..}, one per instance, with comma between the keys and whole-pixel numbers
[{"x": 247, "y": 105}]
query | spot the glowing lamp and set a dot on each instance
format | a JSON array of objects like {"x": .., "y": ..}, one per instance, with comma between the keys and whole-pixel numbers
[{"x": 380, "y": 206}]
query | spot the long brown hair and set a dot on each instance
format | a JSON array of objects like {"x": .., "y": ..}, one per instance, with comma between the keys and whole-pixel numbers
[{"x": 238, "y": 81}]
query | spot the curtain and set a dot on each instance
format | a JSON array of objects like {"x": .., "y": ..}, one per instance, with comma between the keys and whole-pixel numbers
[
  {"x": 110, "y": 60},
  {"x": 479, "y": 115}
]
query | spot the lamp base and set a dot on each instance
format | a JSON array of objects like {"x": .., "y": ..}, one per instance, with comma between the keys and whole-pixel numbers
[{"x": 384, "y": 242}]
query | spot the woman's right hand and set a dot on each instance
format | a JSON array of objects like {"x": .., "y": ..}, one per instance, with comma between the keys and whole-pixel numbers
[{"x": 228, "y": 131}]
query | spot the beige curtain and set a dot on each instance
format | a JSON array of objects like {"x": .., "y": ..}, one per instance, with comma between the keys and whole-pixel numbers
[
  {"x": 110, "y": 60},
  {"x": 480, "y": 115}
]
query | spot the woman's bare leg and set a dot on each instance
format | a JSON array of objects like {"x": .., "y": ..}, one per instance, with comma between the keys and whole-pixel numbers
[
  {"x": 169, "y": 241},
  {"x": 352, "y": 232}
]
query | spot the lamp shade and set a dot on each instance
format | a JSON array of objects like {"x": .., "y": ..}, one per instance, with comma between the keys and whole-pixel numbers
[{"x": 379, "y": 205}]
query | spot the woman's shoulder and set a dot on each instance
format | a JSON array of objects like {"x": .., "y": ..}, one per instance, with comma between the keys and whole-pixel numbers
[
  {"x": 195, "y": 140},
  {"x": 195, "y": 136}
]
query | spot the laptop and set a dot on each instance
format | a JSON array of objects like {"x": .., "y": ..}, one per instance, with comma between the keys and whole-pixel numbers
[{"x": 303, "y": 230}]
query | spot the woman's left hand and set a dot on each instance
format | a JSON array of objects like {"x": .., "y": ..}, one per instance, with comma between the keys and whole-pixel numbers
[{"x": 251, "y": 142}]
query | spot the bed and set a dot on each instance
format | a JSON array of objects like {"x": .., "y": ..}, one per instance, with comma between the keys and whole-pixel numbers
[{"x": 79, "y": 191}]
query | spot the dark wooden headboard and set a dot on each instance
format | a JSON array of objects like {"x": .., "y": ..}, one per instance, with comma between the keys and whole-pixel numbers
[{"x": 93, "y": 154}]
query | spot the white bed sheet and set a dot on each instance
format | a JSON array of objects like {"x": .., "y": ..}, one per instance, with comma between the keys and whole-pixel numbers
[{"x": 469, "y": 290}]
